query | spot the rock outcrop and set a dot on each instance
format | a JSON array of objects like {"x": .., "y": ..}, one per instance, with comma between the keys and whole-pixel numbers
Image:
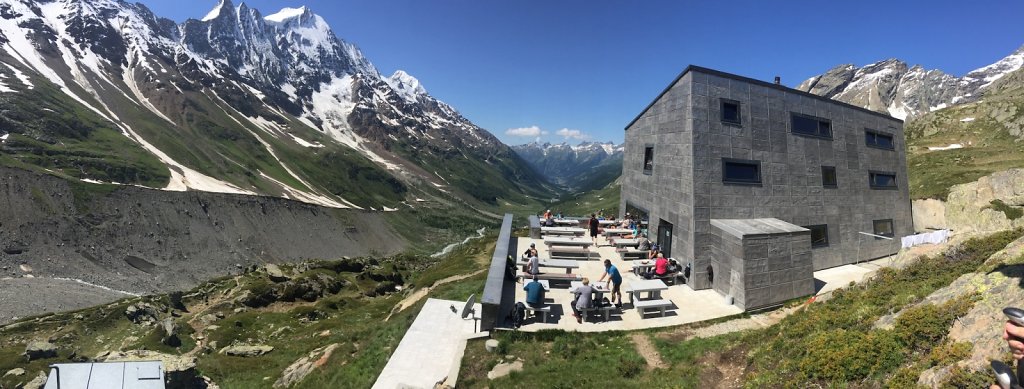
[
  {"x": 301, "y": 368},
  {"x": 40, "y": 350},
  {"x": 246, "y": 350},
  {"x": 969, "y": 206},
  {"x": 929, "y": 214}
]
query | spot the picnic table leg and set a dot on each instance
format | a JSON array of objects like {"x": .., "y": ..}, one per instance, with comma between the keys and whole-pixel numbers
[
  {"x": 607, "y": 315},
  {"x": 543, "y": 317}
]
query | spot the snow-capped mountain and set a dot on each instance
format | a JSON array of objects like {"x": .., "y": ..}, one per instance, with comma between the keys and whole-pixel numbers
[
  {"x": 584, "y": 166},
  {"x": 903, "y": 91},
  {"x": 233, "y": 102}
]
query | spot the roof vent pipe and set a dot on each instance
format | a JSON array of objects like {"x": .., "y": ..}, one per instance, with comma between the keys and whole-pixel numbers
[{"x": 778, "y": 80}]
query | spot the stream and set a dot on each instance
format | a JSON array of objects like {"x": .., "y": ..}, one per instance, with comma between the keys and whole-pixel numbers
[{"x": 447, "y": 249}]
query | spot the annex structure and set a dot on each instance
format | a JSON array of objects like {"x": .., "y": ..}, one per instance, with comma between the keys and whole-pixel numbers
[{"x": 757, "y": 185}]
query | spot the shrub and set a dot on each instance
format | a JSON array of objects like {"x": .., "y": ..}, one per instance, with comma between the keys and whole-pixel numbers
[
  {"x": 630, "y": 366},
  {"x": 844, "y": 355},
  {"x": 923, "y": 327},
  {"x": 949, "y": 353},
  {"x": 1012, "y": 213}
]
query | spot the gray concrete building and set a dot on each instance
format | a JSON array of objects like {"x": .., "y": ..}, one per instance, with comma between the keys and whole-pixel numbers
[{"x": 716, "y": 146}]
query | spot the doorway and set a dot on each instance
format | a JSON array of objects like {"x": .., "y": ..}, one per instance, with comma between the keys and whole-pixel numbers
[{"x": 665, "y": 237}]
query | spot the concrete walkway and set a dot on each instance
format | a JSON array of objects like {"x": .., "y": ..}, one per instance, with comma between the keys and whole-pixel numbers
[{"x": 431, "y": 350}]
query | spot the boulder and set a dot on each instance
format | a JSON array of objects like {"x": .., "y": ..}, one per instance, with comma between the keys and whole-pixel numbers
[
  {"x": 17, "y": 372},
  {"x": 301, "y": 368},
  {"x": 275, "y": 273},
  {"x": 142, "y": 313},
  {"x": 504, "y": 369},
  {"x": 36, "y": 383},
  {"x": 491, "y": 345},
  {"x": 40, "y": 349},
  {"x": 968, "y": 206},
  {"x": 246, "y": 350},
  {"x": 170, "y": 333},
  {"x": 929, "y": 214}
]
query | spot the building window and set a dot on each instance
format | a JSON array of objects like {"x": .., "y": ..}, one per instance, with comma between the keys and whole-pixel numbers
[
  {"x": 879, "y": 140},
  {"x": 883, "y": 228},
  {"x": 807, "y": 125},
  {"x": 819, "y": 235},
  {"x": 828, "y": 177},
  {"x": 648, "y": 159},
  {"x": 731, "y": 111},
  {"x": 882, "y": 180},
  {"x": 741, "y": 171}
]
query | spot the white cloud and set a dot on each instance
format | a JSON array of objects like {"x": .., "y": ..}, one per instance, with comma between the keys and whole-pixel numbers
[
  {"x": 531, "y": 131},
  {"x": 572, "y": 134}
]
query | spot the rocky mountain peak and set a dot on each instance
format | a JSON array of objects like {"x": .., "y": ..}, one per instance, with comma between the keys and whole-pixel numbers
[
  {"x": 890, "y": 86},
  {"x": 406, "y": 85}
]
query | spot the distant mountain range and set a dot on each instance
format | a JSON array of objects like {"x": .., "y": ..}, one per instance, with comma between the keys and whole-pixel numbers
[
  {"x": 587, "y": 166},
  {"x": 906, "y": 92},
  {"x": 241, "y": 102}
]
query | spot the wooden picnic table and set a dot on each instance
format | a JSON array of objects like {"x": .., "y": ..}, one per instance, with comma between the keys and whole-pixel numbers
[
  {"x": 654, "y": 287},
  {"x": 575, "y": 231},
  {"x": 626, "y": 242},
  {"x": 566, "y": 264},
  {"x": 609, "y": 232},
  {"x": 561, "y": 241}
]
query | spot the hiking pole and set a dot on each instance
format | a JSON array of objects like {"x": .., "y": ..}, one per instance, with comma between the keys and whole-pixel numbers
[{"x": 1004, "y": 373}]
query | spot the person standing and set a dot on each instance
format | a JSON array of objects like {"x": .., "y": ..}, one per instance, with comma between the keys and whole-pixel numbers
[
  {"x": 614, "y": 281},
  {"x": 594, "y": 225},
  {"x": 584, "y": 299}
]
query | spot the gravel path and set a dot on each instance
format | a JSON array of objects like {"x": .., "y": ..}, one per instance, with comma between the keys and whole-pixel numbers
[{"x": 48, "y": 295}]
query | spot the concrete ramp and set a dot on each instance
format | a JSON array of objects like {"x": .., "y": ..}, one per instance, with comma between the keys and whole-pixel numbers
[{"x": 431, "y": 350}]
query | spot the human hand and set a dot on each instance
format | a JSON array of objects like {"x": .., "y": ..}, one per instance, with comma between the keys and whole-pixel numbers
[{"x": 1014, "y": 336}]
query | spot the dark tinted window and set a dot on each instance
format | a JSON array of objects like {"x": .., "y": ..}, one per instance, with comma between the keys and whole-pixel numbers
[
  {"x": 819, "y": 235},
  {"x": 648, "y": 159},
  {"x": 878, "y": 140},
  {"x": 828, "y": 177},
  {"x": 883, "y": 227},
  {"x": 810, "y": 126},
  {"x": 730, "y": 111},
  {"x": 739, "y": 171},
  {"x": 880, "y": 180}
]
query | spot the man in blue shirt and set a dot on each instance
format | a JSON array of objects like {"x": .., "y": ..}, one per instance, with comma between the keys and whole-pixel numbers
[
  {"x": 534, "y": 293},
  {"x": 615, "y": 279}
]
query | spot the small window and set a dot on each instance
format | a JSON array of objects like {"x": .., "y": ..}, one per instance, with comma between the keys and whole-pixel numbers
[
  {"x": 648, "y": 159},
  {"x": 731, "y": 111},
  {"x": 878, "y": 140},
  {"x": 828, "y": 177},
  {"x": 819, "y": 235},
  {"x": 810, "y": 126},
  {"x": 883, "y": 228},
  {"x": 882, "y": 180},
  {"x": 741, "y": 171}
]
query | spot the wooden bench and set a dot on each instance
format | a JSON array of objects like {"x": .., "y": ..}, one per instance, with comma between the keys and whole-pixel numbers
[
  {"x": 607, "y": 311},
  {"x": 544, "y": 311},
  {"x": 569, "y": 252},
  {"x": 644, "y": 305}
]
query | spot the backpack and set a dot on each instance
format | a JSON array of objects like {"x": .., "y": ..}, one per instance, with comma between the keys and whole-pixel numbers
[{"x": 518, "y": 315}]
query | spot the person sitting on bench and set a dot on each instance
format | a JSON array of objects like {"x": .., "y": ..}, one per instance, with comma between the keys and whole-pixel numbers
[
  {"x": 534, "y": 293},
  {"x": 660, "y": 267},
  {"x": 534, "y": 265},
  {"x": 583, "y": 300}
]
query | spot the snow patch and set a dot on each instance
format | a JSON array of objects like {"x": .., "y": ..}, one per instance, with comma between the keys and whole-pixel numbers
[
  {"x": 3, "y": 138},
  {"x": 285, "y": 13},
  {"x": 965, "y": 120},
  {"x": 21, "y": 76},
  {"x": 950, "y": 147},
  {"x": 214, "y": 13}
]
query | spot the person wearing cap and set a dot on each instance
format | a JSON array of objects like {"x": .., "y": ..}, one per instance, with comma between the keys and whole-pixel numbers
[{"x": 547, "y": 214}]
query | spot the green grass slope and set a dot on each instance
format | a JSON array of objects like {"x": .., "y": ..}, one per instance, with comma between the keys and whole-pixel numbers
[{"x": 991, "y": 131}]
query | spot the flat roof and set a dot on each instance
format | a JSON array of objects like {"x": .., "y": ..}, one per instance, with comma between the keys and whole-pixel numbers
[
  {"x": 106, "y": 375},
  {"x": 755, "y": 82},
  {"x": 741, "y": 228}
]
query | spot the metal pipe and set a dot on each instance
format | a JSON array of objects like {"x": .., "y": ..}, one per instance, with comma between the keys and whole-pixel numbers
[{"x": 877, "y": 236}]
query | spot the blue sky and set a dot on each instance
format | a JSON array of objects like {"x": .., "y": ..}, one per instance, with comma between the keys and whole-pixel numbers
[{"x": 585, "y": 69}]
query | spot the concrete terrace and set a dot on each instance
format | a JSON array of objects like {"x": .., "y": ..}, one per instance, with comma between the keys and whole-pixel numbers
[{"x": 691, "y": 306}]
